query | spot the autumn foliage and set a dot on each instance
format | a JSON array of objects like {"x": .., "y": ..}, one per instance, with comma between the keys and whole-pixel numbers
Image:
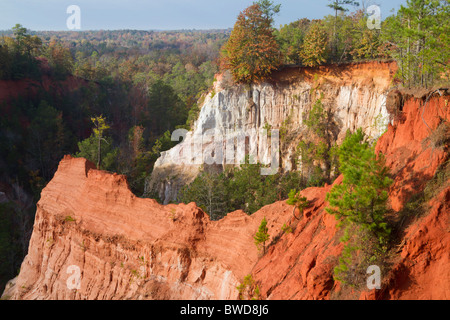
[
  {"x": 314, "y": 51},
  {"x": 252, "y": 52}
]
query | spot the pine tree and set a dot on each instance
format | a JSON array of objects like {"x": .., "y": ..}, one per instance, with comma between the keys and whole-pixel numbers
[
  {"x": 362, "y": 197},
  {"x": 360, "y": 202},
  {"x": 419, "y": 40},
  {"x": 269, "y": 9},
  {"x": 165, "y": 109},
  {"x": 338, "y": 6},
  {"x": 262, "y": 235},
  {"x": 26, "y": 43},
  {"x": 209, "y": 192},
  {"x": 296, "y": 200},
  {"x": 46, "y": 140},
  {"x": 20, "y": 33},
  {"x": 291, "y": 37},
  {"x": 89, "y": 150}
]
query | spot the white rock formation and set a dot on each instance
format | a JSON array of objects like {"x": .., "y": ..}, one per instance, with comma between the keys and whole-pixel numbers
[{"x": 355, "y": 93}]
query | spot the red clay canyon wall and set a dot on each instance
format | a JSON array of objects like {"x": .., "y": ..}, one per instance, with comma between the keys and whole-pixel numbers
[
  {"x": 301, "y": 265},
  {"x": 131, "y": 248}
]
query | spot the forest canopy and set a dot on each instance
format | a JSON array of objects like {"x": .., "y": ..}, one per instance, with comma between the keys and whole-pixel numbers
[{"x": 416, "y": 37}]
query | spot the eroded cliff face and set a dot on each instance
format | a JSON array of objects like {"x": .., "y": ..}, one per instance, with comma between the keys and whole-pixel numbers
[
  {"x": 301, "y": 265},
  {"x": 125, "y": 247},
  {"x": 416, "y": 148},
  {"x": 122, "y": 247},
  {"x": 354, "y": 93}
]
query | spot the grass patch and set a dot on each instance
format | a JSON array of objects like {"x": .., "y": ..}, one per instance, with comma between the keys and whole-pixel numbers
[
  {"x": 69, "y": 219},
  {"x": 286, "y": 229}
]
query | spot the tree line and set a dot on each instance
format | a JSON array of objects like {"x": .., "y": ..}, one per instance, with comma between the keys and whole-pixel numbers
[{"x": 416, "y": 37}]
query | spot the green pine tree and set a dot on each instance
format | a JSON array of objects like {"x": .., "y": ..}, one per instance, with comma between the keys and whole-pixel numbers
[
  {"x": 360, "y": 203},
  {"x": 290, "y": 38},
  {"x": 100, "y": 126},
  {"x": 296, "y": 200},
  {"x": 318, "y": 148},
  {"x": 418, "y": 39},
  {"x": 338, "y": 6},
  {"x": 209, "y": 192},
  {"x": 262, "y": 236}
]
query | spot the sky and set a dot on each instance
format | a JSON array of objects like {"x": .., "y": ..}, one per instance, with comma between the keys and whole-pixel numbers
[{"x": 51, "y": 15}]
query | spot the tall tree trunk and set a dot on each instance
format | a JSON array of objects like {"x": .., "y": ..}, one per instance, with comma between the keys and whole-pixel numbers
[
  {"x": 408, "y": 54},
  {"x": 99, "y": 158},
  {"x": 334, "y": 45}
]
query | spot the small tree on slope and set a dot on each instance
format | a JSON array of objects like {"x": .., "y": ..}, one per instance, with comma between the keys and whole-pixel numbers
[
  {"x": 360, "y": 203},
  {"x": 262, "y": 235}
]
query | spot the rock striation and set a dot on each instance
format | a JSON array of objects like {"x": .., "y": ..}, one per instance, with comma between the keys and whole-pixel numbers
[
  {"x": 233, "y": 119},
  {"x": 300, "y": 265},
  {"x": 94, "y": 239},
  {"x": 91, "y": 231}
]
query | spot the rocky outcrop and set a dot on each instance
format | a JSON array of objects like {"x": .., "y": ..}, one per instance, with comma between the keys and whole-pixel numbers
[
  {"x": 300, "y": 265},
  {"x": 94, "y": 239},
  {"x": 89, "y": 226},
  {"x": 232, "y": 119}
]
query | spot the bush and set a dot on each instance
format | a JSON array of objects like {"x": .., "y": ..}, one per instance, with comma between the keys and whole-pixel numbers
[
  {"x": 295, "y": 199},
  {"x": 248, "y": 290},
  {"x": 286, "y": 229}
]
